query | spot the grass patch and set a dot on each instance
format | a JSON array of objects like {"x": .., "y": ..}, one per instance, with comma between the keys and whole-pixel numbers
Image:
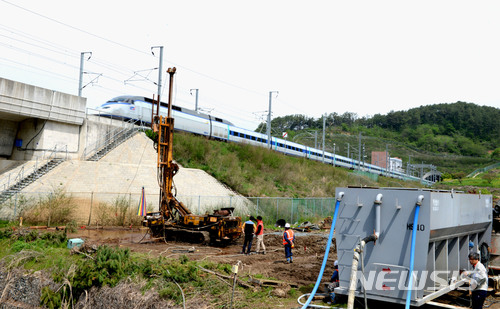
[
  {"x": 56, "y": 208},
  {"x": 257, "y": 171},
  {"x": 120, "y": 212}
]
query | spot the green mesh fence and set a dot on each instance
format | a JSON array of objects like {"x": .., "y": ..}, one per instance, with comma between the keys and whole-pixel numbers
[{"x": 87, "y": 205}]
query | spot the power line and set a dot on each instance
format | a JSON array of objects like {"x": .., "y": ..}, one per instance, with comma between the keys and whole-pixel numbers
[
  {"x": 34, "y": 38},
  {"x": 46, "y": 71},
  {"x": 75, "y": 28},
  {"x": 132, "y": 48},
  {"x": 38, "y": 46},
  {"x": 116, "y": 68},
  {"x": 37, "y": 55}
]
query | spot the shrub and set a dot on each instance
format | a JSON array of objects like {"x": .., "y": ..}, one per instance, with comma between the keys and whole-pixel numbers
[
  {"x": 56, "y": 208},
  {"x": 119, "y": 213},
  {"x": 103, "y": 214},
  {"x": 121, "y": 207}
]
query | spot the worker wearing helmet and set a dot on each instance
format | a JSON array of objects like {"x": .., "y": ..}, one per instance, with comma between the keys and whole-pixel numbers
[{"x": 288, "y": 240}]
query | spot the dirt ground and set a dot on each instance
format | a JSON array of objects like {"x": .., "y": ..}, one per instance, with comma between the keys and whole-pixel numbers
[
  {"x": 308, "y": 257},
  {"x": 308, "y": 252}
]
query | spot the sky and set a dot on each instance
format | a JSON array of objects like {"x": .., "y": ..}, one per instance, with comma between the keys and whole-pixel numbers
[{"x": 309, "y": 57}]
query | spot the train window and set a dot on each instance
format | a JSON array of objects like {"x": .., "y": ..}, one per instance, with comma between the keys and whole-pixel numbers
[
  {"x": 218, "y": 119},
  {"x": 176, "y": 108}
]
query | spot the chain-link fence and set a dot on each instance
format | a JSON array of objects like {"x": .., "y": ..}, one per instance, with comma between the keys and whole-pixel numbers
[{"x": 92, "y": 208}]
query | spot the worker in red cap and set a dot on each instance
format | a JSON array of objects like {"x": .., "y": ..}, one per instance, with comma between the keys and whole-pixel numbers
[{"x": 288, "y": 239}]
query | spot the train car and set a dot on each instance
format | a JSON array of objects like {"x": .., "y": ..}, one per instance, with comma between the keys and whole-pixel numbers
[{"x": 139, "y": 109}]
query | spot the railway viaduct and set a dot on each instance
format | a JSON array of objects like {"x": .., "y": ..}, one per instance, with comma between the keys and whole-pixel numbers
[{"x": 36, "y": 122}]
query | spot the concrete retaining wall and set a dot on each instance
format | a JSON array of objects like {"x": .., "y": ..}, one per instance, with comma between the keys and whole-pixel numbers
[
  {"x": 24, "y": 101},
  {"x": 7, "y": 137}
]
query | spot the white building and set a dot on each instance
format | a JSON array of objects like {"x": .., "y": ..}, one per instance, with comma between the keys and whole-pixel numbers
[{"x": 396, "y": 164}]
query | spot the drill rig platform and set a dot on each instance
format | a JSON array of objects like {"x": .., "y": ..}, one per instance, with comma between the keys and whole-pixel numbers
[{"x": 173, "y": 220}]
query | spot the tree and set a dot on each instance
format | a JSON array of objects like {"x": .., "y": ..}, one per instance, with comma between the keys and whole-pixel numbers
[
  {"x": 495, "y": 155},
  {"x": 489, "y": 177},
  {"x": 460, "y": 176}
]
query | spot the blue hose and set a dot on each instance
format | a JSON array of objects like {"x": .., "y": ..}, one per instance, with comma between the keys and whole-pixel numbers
[
  {"x": 325, "y": 258},
  {"x": 412, "y": 256}
]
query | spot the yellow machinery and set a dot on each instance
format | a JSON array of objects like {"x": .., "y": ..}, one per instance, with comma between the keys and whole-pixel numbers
[{"x": 174, "y": 221}]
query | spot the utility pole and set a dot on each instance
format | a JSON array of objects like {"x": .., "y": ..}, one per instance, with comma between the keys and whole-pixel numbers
[
  {"x": 269, "y": 119},
  {"x": 324, "y": 124},
  {"x": 333, "y": 154},
  {"x": 160, "y": 69},
  {"x": 408, "y": 165},
  {"x": 315, "y": 139},
  {"x": 387, "y": 160},
  {"x": 81, "y": 72},
  {"x": 364, "y": 156},
  {"x": 348, "y": 150},
  {"x": 196, "y": 100},
  {"x": 359, "y": 152}
]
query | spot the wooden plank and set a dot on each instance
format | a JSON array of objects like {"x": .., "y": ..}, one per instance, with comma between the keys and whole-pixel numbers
[{"x": 268, "y": 282}]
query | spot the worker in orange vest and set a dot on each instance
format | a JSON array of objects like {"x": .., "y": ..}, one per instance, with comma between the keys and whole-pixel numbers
[
  {"x": 260, "y": 235},
  {"x": 288, "y": 239}
]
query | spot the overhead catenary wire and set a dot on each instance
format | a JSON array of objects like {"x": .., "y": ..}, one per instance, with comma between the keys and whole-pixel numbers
[
  {"x": 222, "y": 110},
  {"x": 31, "y": 69}
]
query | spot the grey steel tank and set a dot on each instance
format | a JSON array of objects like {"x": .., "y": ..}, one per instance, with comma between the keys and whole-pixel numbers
[{"x": 447, "y": 223}]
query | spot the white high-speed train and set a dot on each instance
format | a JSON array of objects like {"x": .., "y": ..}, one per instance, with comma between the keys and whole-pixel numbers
[{"x": 139, "y": 108}]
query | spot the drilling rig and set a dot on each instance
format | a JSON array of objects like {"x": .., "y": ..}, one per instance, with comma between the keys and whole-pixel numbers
[{"x": 174, "y": 221}]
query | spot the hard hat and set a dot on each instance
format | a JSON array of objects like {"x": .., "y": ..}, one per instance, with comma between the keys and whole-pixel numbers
[
  {"x": 287, "y": 225},
  {"x": 336, "y": 263},
  {"x": 471, "y": 244}
]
